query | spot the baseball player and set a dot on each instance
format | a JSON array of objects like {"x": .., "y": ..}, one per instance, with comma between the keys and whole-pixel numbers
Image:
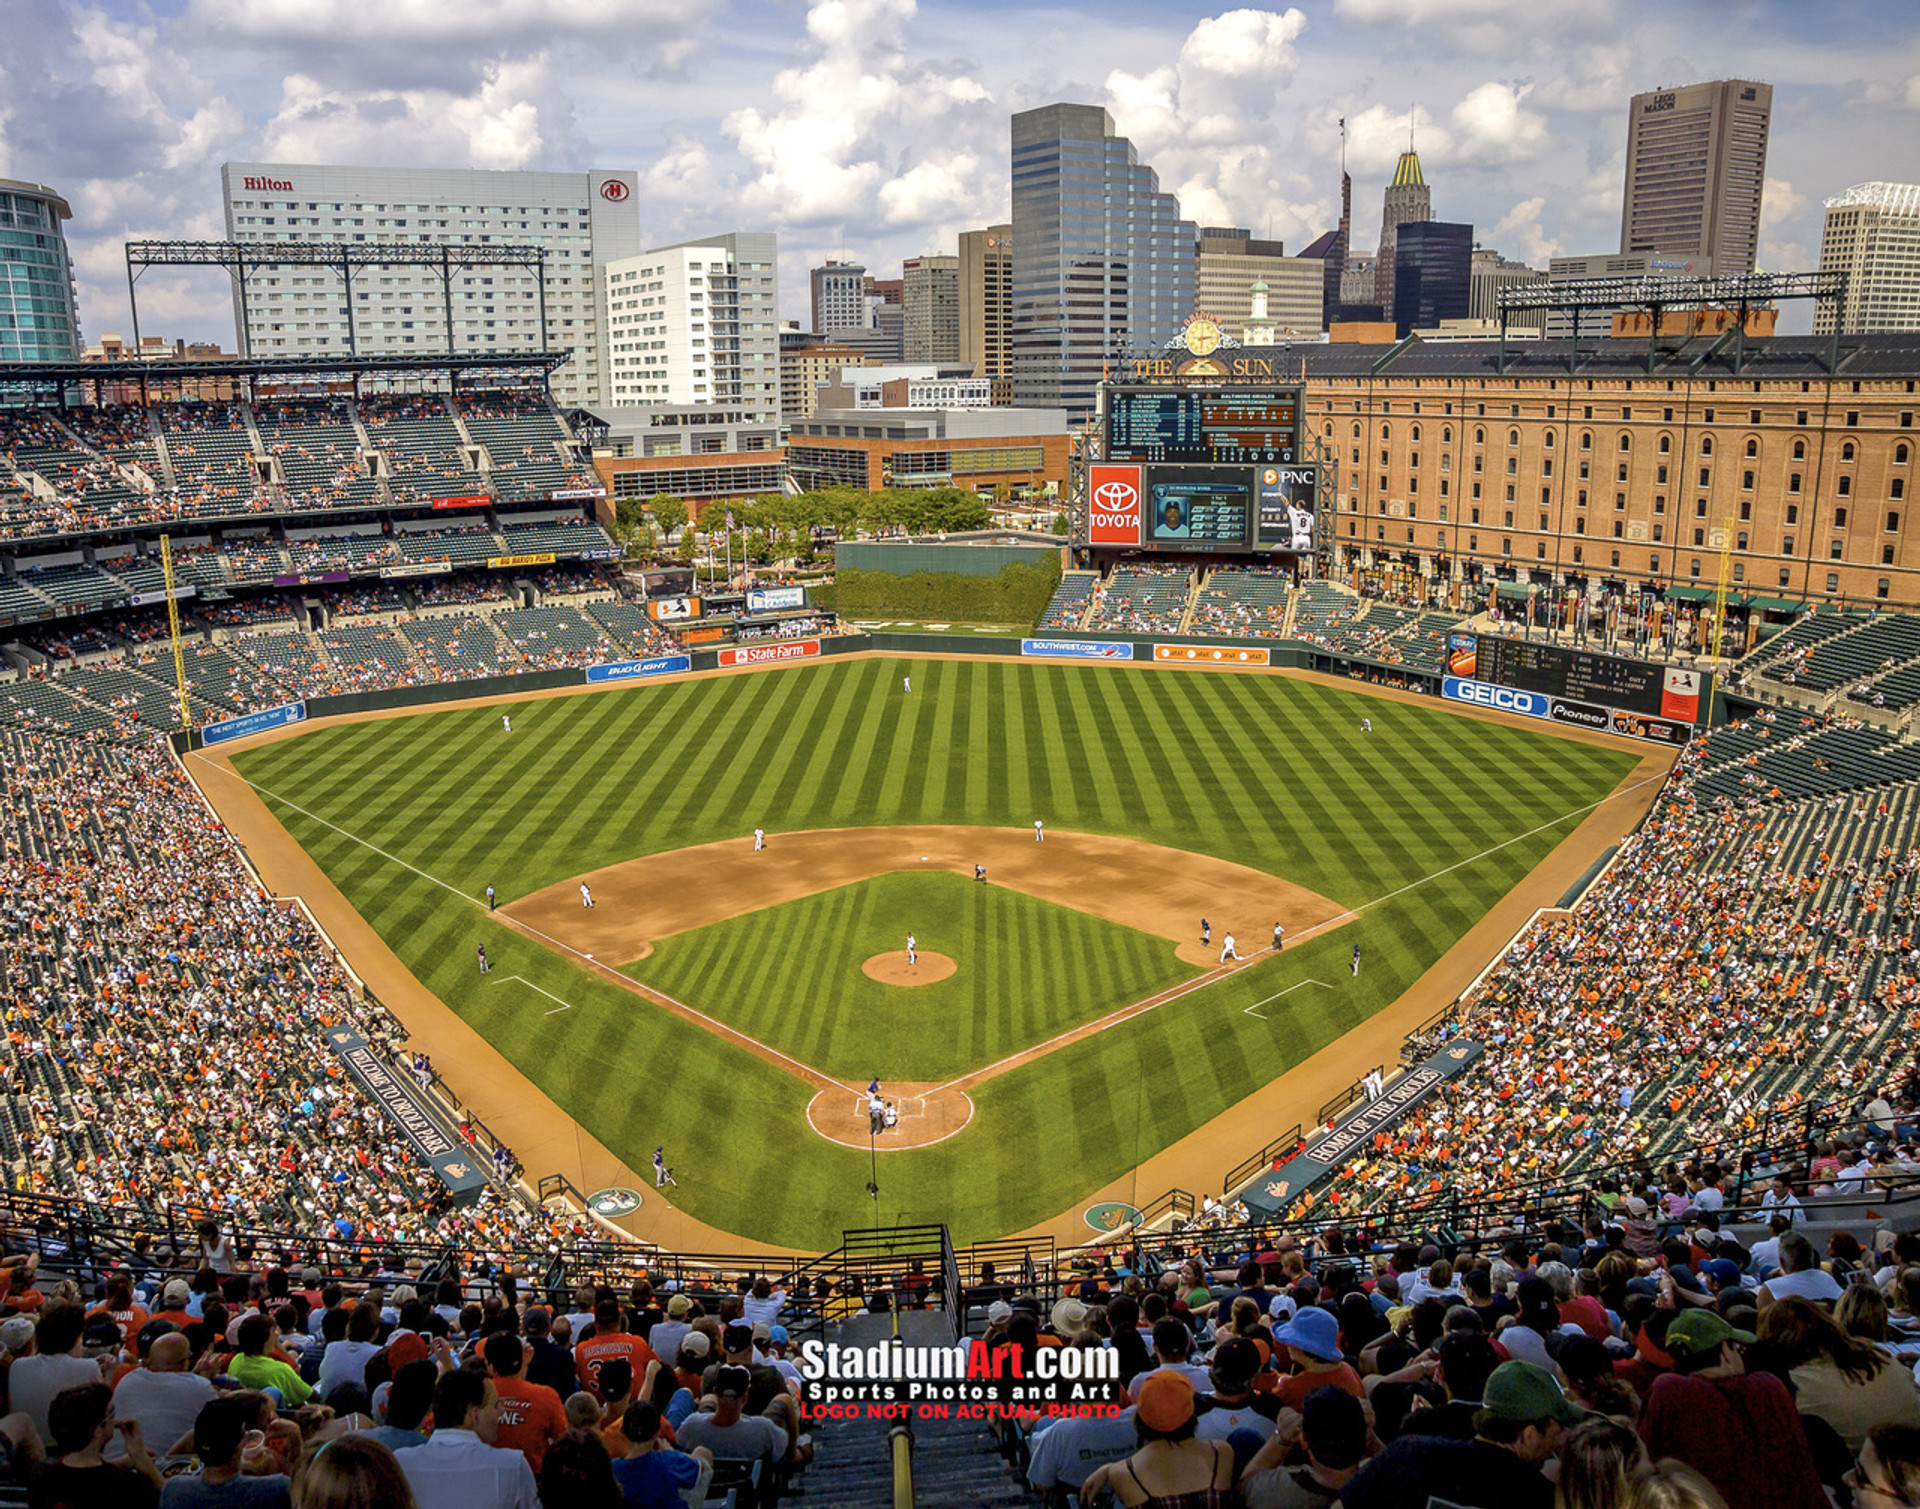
[
  {"x": 913, "y": 957},
  {"x": 1206, "y": 932},
  {"x": 979, "y": 871},
  {"x": 586, "y": 895},
  {"x": 660, "y": 1175},
  {"x": 1039, "y": 831},
  {"x": 1366, "y": 725},
  {"x": 489, "y": 898},
  {"x": 506, "y": 722},
  {"x": 1356, "y": 960},
  {"x": 759, "y": 839},
  {"x": 1227, "y": 951},
  {"x": 482, "y": 952},
  {"x": 1279, "y": 936},
  {"x": 873, "y": 1088},
  {"x": 906, "y": 683}
]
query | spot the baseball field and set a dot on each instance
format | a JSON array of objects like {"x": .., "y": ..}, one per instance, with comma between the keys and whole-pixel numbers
[{"x": 1063, "y": 1022}]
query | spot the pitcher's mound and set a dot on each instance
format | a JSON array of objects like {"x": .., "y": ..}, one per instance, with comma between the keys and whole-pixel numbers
[{"x": 893, "y": 969}]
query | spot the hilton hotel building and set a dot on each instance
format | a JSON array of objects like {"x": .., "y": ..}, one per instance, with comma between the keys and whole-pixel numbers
[
  {"x": 584, "y": 220},
  {"x": 1625, "y": 468}
]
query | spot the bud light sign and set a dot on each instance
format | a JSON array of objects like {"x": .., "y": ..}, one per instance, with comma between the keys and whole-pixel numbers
[{"x": 1113, "y": 505}]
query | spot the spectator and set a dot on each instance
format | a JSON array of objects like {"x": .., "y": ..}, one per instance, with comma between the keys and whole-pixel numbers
[
  {"x": 1599, "y": 1462},
  {"x": 728, "y": 1432},
  {"x": 652, "y": 1475},
  {"x": 578, "y": 1474},
  {"x": 1172, "y": 1464},
  {"x": 220, "y": 1435},
  {"x": 1234, "y": 1405},
  {"x": 460, "y": 1467},
  {"x": 1739, "y": 1430},
  {"x": 609, "y": 1340},
  {"x": 345, "y": 1361},
  {"x": 1800, "y": 1275},
  {"x": 34, "y": 1381},
  {"x": 252, "y": 1368},
  {"x": 1332, "y": 1435},
  {"x": 80, "y": 1477},
  {"x": 1517, "y": 1431},
  {"x": 1886, "y": 1472},
  {"x": 1851, "y": 1384},
  {"x": 409, "y": 1401},
  {"x": 1464, "y": 1364},
  {"x": 551, "y": 1365},
  {"x": 351, "y": 1472},
  {"x": 532, "y": 1416},
  {"x": 164, "y": 1395}
]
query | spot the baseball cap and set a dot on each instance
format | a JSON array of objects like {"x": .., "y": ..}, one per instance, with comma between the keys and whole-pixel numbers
[
  {"x": 1579, "y": 1356},
  {"x": 731, "y": 1382},
  {"x": 696, "y": 1343},
  {"x": 999, "y": 1312},
  {"x": 1314, "y": 1331},
  {"x": 16, "y": 1333},
  {"x": 737, "y": 1337},
  {"x": 404, "y": 1347},
  {"x": 176, "y": 1293},
  {"x": 1726, "y": 1270},
  {"x": 1236, "y": 1360},
  {"x": 762, "y": 1331},
  {"x": 777, "y": 1335},
  {"x": 1521, "y": 1392},
  {"x": 1635, "y": 1205},
  {"x": 103, "y": 1335},
  {"x": 678, "y": 1306},
  {"x": 1701, "y": 1330},
  {"x": 1164, "y": 1401},
  {"x": 1267, "y": 1259}
]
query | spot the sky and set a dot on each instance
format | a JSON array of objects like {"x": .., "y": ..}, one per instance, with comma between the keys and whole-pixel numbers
[{"x": 878, "y": 129}]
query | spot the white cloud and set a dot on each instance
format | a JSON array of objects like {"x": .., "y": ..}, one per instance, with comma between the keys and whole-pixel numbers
[
  {"x": 1779, "y": 202},
  {"x": 1519, "y": 233},
  {"x": 404, "y": 23},
  {"x": 1492, "y": 127}
]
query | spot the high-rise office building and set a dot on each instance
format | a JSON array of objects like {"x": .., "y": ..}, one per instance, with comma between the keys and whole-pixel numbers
[
  {"x": 1227, "y": 263},
  {"x": 1492, "y": 272},
  {"x": 930, "y": 298},
  {"x": 839, "y": 296},
  {"x": 986, "y": 305},
  {"x": 1872, "y": 235},
  {"x": 1696, "y": 167},
  {"x": 584, "y": 220},
  {"x": 1102, "y": 261},
  {"x": 1614, "y": 265},
  {"x": 1406, "y": 200},
  {"x": 39, "y": 310},
  {"x": 698, "y": 323},
  {"x": 1432, "y": 274}
]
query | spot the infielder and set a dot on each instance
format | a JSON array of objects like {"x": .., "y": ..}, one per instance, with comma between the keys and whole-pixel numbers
[
  {"x": 482, "y": 951},
  {"x": 979, "y": 872},
  {"x": 1039, "y": 831},
  {"x": 913, "y": 957},
  {"x": 586, "y": 896},
  {"x": 759, "y": 839},
  {"x": 1356, "y": 960},
  {"x": 1206, "y": 932},
  {"x": 1227, "y": 952}
]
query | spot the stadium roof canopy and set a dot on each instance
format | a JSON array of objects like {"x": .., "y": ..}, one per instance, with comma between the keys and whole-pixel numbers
[{"x": 27, "y": 378}]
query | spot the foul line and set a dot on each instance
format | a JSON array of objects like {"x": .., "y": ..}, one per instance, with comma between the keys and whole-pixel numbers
[
  {"x": 976, "y": 1076},
  {"x": 1254, "y": 1010}
]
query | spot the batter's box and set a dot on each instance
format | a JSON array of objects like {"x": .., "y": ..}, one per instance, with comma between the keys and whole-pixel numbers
[{"x": 908, "y": 1108}]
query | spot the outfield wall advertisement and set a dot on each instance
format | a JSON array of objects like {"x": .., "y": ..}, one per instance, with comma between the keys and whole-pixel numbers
[
  {"x": 762, "y": 654},
  {"x": 253, "y": 723},
  {"x": 1565, "y": 710},
  {"x": 1077, "y": 649},
  {"x": 628, "y": 670},
  {"x": 772, "y": 599},
  {"x": 1201, "y": 654}
]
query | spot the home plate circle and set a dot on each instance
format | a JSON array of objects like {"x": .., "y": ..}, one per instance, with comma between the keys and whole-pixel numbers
[{"x": 891, "y": 968}]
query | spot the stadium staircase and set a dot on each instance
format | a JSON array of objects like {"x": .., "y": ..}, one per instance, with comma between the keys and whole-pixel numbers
[
  {"x": 1193, "y": 600},
  {"x": 1293, "y": 608}
]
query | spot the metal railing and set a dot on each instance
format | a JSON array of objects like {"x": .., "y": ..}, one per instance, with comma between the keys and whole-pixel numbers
[
  {"x": 1352, "y": 1095},
  {"x": 1241, "y": 1174}
]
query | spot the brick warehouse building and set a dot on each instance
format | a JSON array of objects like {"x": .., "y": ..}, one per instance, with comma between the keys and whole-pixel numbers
[{"x": 1619, "y": 467}]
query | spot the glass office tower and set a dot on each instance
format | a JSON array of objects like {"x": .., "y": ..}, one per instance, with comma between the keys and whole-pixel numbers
[
  {"x": 39, "y": 313},
  {"x": 1102, "y": 261}
]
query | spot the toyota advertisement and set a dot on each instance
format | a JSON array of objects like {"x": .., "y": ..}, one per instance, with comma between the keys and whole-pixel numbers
[{"x": 1113, "y": 505}]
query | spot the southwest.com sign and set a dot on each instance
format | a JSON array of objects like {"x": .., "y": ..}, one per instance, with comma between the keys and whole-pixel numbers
[{"x": 1113, "y": 505}]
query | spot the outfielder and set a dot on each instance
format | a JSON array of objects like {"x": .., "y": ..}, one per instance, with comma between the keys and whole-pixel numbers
[{"x": 506, "y": 722}]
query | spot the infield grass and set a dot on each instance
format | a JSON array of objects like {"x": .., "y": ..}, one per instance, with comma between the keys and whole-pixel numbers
[
  {"x": 1421, "y": 826},
  {"x": 790, "y": 976}
]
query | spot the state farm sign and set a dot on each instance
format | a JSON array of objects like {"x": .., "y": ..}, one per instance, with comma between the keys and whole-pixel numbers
[{"x": 1113, "y": 505}]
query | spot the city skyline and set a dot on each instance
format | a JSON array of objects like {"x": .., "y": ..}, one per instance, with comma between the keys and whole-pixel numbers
[{"x": 740, "y": 116}]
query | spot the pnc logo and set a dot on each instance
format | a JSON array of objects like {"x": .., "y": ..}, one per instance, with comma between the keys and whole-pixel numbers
[
  {"x": 613, "y": 191},
  {"x": 278, "y": 185}
]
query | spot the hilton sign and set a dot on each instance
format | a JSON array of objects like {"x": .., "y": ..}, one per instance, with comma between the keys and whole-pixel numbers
[{"x": 279, "y": 185}]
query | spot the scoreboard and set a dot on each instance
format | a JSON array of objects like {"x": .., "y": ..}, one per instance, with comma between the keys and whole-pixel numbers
[
  {"x": 1558, "y": 671},
  {"x": 1198, "y": 426}
]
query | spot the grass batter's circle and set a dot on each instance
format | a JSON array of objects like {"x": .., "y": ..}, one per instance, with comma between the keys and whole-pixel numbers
[{"x": 892, "y": 968}]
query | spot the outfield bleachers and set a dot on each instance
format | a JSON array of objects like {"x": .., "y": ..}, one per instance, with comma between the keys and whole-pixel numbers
[
  {"x": 370, "y": 656},
  {"x": 469, "y": 546},
  {"x": 1785, "y": 650},
  {"x": 289, "y": 661},
  {"x": 137, "y": 700},
  {"x": 1321, "y": 608},
  {"x": 557, "y": 634},
  {"x": 1242, "y": 604},
  {"x": 1876, "y": 646},
  {"x": 76, "y": 587},
  {"x": 457, "y": 648},
  {"x": 628, "y": 625},
  {"x": 564, "y": 538},
  {"x": 1141, "y": 600},
  {"x": 46, "y": 707},
  {"x": 319, "y": 454},
  {"x": 216, "y": 676},
  {"x": 525, "y": 445},
  {"x": 1068, "y": 606}
]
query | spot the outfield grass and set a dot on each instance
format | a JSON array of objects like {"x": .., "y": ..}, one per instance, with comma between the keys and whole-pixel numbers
[
  {"x": 1264, "y": 770},
  {"x": 789, "y": 976}
]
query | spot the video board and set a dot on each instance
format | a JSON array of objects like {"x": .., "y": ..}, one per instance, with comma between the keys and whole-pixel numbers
[
  {"x": 1223, "y": 508},
  {"x": 1201, "y": 426},
  {"x": 1563, "y": 672},
  {"x": 1568, "y": 685}
]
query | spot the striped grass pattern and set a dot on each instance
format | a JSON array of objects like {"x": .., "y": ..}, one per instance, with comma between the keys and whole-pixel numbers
[{"x": 1268, "y": 771}]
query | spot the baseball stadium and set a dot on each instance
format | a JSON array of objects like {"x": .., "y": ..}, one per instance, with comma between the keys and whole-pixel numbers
[{"x": 438, "y": 880}]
